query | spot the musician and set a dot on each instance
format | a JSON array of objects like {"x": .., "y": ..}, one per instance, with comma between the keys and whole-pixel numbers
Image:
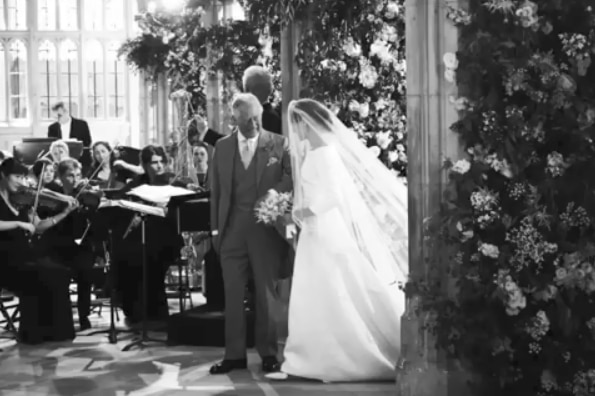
[
  {"x": 48, "y": 179},
  {"x": 69, "y": 127},
  {"x": 59, "y": 150},
  {"x": 61, "y": 241},
  {"x": 41, "y": 285},
  {"x": 200, "y": 156},
  {"x": 101, "y": 166},
  {"x": 162, "y": 245}
]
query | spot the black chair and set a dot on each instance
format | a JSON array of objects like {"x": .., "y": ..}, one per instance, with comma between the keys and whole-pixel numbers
[
  {"x": 180, "y": 288},
  {"x": 9, "y": 302}
]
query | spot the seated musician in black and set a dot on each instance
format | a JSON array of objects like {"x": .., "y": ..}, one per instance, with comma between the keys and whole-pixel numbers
[
  {"x": 48, "y": 179},
  {"x": 61, "y": 241},
  {"x": 162, "y": 244},
  {"x": 41, "y": 285}
]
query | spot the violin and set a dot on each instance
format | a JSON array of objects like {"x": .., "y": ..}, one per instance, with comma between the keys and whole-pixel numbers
[
  {"x": 26, "y": 196},
  {"x": 88, "y": 196}
]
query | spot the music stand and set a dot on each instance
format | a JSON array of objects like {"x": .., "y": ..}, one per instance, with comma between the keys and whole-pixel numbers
[
  {"x": 144, "y": 338},
  {"x": 112, "y": 332}
]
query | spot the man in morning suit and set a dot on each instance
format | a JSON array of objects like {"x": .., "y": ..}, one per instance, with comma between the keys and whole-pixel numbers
[
  {"x": 248, "y": 165},
  {"x": 68, "y": 127}
]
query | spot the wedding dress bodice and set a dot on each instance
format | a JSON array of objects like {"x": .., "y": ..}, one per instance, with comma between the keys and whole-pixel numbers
[{"x": 320, "y": 182}]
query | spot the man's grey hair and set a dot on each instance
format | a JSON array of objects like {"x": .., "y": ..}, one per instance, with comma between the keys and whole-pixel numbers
[
  {"x": 259, "y": 82},
  {"x": 245, "y": 101}
]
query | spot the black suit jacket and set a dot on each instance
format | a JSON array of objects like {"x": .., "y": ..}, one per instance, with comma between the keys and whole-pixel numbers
[
  {"x": 271, "y": 120},
  {"x": 79, "y": 130}
]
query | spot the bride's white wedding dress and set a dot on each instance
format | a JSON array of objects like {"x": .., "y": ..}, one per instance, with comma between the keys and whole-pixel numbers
[{"x": 344, "y": 316}]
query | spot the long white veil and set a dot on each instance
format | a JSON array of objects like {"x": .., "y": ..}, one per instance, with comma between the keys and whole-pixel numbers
[{"x": 374, "y": 201}]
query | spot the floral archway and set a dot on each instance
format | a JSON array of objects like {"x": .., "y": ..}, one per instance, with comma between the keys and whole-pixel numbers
[{"x": 518, "y": 223}]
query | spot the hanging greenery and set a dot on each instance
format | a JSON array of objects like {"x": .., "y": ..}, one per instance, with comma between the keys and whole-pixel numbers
[
  {"x": 179, "y": 47},
  {"x": 518, "y": 222},
  {"x": 352, "y": 57}
]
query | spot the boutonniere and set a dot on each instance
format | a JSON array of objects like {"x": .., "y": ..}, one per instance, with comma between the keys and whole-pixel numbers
[{"x": 272, "y": 161}]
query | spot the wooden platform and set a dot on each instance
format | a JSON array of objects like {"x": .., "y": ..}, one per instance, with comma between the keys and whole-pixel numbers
[{"x": 203, "y": 326}]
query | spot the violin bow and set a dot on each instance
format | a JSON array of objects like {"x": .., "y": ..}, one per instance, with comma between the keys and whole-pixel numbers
[{"x": 37, "y": 193}]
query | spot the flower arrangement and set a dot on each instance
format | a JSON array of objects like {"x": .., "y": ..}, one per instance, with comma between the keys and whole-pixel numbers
[
  {"x": 177, "y": 46},
  {"x": 353, "y": 59},
  {"x": 273, "y": 207},
  {"x": 518, "y": 222}
]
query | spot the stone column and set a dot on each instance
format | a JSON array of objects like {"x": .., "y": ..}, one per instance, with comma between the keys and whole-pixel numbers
[
  {"x": 290, "y": 74},
  {"x": 424, "y": 370},
  {"x": 213, "y": 79}
]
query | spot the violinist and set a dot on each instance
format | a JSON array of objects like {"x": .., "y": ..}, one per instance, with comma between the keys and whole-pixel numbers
[
  {"x": 48, "y": 178},
  {"x": 41, "y": 285},
  {"x": 101, "y": 167},
  {"x": 162, "y": 244},
  {"x": 61, "y": 241}
]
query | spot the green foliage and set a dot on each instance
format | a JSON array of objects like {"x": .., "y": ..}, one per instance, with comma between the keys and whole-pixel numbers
[
  {"x": 179, "y": 46},
  {"x": 520, "y": 211},
  {"x": 352, "y": 57}
]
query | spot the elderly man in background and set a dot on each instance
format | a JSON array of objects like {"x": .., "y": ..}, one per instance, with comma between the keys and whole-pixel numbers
[{"x": 257, "y": 81}]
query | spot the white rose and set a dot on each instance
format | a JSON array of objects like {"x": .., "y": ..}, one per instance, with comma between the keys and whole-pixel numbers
[
  {"x": 450, "y": 75},
  {"x": 461, "y": 166},
  {"x": 489, "y": 250},
  {"x": 376, "y": 150},
  {"x": 459, "y": 104},
  {"x": 393, "y": 156},
  {"x": 383, "y": 139},
  {"x": 364, "y": 110},
  {"x": 450, "y": 61},
  {"x": 354, "y": 106}
]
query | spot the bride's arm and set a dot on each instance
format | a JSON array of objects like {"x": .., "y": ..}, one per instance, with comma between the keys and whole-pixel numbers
[
  {"x": 327, "y": 195},
  {"x": 286, "y": 182}
]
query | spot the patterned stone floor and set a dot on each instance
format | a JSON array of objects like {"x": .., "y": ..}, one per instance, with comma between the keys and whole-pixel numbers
[{"x": 90, "y": 366}]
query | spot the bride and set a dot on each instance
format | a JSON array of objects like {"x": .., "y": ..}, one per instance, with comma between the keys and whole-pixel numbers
[{"x": 345, "y": 303}]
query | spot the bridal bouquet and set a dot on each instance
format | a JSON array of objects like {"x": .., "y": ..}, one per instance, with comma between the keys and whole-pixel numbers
[{"x": 275, "y": 210}]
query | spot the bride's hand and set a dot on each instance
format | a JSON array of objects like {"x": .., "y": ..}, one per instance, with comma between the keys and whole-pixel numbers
[{"x": 303, "y": 213}]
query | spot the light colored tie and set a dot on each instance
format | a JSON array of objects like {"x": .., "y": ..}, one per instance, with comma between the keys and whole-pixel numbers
[{"x": 246, "y": 153}]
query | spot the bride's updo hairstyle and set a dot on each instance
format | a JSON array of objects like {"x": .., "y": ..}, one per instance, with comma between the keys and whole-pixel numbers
[{"x": 311, "y": 112}]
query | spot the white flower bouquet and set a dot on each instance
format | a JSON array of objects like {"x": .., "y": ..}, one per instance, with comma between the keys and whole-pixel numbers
[{"x": 275, "y": 210}]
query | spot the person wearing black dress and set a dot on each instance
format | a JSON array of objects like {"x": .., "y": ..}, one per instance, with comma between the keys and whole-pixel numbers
[
  {"x": 41, "y": 285},
  {"x": 162, "y": 244},
  {"x": 60, "y": 242}
]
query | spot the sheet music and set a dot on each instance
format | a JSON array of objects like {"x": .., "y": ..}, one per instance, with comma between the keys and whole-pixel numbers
[
  {"x": 159, "y": 195},
  {"x": 134, "y": 206}
]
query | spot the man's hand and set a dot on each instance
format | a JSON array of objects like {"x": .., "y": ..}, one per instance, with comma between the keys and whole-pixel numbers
[
  {"x": 195, "y": 187},
  {"x": 201, "y": 124}
]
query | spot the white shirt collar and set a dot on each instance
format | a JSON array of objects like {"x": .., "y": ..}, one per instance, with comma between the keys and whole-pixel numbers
[
  {"x": 65, "y": 127},
  {"x": 243, "y": 138}
]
